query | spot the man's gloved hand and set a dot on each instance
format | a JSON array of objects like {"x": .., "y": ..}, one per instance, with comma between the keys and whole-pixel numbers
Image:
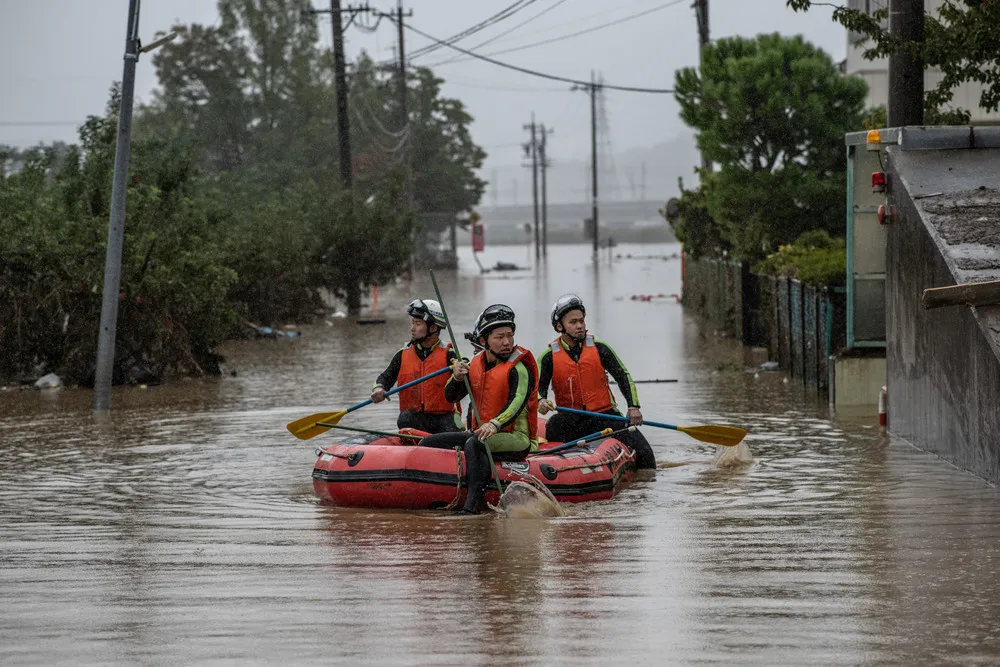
[{"x": 546, "y": 406}]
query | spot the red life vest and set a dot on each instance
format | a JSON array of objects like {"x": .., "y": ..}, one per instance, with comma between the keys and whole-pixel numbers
[
  {"x": 490, "y": 388},
  {"x": 428, "y": 396},
  {"x": 582, "y": 384}
]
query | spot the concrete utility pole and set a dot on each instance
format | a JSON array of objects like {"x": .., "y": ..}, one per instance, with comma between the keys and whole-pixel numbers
[
  {"x": 593, "y": 159},
  {"x": 106, "y": 335},
  {"x": 544, "y": 163},
  {"x": 531, "y": 150},
  {"x": 701, "y": 14},
  {"x": 906, "y": 68},
  {"x": 116, "y": 226}
]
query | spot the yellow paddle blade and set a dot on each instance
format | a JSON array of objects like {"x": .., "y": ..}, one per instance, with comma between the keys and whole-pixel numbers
[
  {"x": 727, "y": 436},
  {"x": 306, "y": 427}
]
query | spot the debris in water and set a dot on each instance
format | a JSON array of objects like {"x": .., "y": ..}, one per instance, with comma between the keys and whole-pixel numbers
[{"x": 50, "y": 381}]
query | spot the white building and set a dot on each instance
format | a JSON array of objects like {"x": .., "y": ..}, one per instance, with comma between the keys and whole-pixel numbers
[{"x": 876, "y": 72}]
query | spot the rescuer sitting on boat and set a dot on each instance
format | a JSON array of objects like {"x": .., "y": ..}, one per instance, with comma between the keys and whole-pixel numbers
[
  {"x": 502, "y": 377},
  {"x": 578, "y": 365},
  {"x": 423, "y": 406}
]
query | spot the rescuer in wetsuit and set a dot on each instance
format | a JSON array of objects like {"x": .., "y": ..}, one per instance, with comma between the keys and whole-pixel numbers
[
  {"x": 503, "y": 377},
  {"x": 423, "y": 406},
  {"x": 578, "y": 366}
]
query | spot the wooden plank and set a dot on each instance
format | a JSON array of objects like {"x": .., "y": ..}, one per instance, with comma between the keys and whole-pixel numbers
[{"x": 969, "y": 294}]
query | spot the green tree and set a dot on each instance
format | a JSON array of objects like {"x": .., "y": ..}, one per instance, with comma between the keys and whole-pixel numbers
[
  {"x": 771, "y": 112},
  {"x": 961, "y": 40}
]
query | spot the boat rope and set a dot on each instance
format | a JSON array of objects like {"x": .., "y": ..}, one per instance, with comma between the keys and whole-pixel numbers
[{"x": 458, "y": 488}]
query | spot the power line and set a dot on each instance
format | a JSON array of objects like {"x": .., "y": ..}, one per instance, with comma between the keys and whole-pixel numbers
[
  {"x": 40, "y": 123},
  {"x": 571, "y": 35},
  {"x": 507, "y": 12},
  {"x": 524, "y": 70},
  {"x": 505, "y": 32}
]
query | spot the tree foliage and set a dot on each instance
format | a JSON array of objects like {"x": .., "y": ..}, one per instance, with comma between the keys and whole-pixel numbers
[
  {"x": 234, "y": 207},
  {"x": 814, "y": 258},
  {"x": 961, "y": 39},
  {"x": 771, "y": 113}
]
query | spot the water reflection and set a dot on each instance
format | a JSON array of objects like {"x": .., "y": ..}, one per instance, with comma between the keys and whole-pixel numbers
[{"x": 181, "y": 527}]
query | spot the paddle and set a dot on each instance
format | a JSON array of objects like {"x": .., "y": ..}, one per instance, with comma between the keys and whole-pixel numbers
[
  {"x": 468, "y": 386},
  {"x": 727, "y": 436},
  {"x": 368, "y": 430},
  {"x": 606, "y": 433},
  {"x": 310, "y": 427}
]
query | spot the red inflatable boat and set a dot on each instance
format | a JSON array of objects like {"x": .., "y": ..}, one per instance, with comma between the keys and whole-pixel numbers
[{"x": 390, "y": 472}]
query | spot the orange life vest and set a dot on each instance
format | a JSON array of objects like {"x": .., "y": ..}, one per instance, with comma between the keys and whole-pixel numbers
[
  {"x": 428, "y": 396},
  {"x": 490, "y": 388},
  {"x": 582, "y": 384}
]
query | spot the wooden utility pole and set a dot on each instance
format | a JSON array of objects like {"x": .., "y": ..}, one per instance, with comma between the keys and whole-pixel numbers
[
  {"x": 340, "y": 81},
  {"x": 404, "y": 107},
  {"x": 906, "y": 66}
]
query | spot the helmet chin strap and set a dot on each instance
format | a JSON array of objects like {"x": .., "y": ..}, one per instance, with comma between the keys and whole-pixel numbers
[
  {"x": 501, "y": 357},
  {"x": 576, "y": 339},
  {"x": 426, "y": 336}
]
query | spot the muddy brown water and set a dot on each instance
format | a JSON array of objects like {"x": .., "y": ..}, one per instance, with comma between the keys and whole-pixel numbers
[{"x": 182, "y": 528}]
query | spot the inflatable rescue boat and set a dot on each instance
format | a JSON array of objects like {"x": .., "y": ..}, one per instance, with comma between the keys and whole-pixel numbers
[{"x": 392, "y": 473}]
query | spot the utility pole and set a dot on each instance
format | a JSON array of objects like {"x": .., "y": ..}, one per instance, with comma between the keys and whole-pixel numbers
[
  {"x": 592, "y": 91},
  {"x": 531, "y": 150},
  {"x": 701, "y": 14},
  {"x": 906, "y": 67},
  {"x": 593, "y": 159},
  {"x": 116, "y": 225},
  {"x": 544, "y": 163},
  {"x": 404, "y": 114},
  {"x": 104, "y": 371},
  {"x": 340, "y": 82}
]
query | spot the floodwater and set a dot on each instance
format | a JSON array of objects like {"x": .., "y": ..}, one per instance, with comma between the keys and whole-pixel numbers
[{"x": 182, "y": 528}]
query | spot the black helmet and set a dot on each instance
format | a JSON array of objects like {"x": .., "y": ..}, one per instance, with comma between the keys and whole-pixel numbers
[
  {"x": 563, "y": 305},
  {"x": 427, "y": 310},
  {"x": 497, "y": 315}
]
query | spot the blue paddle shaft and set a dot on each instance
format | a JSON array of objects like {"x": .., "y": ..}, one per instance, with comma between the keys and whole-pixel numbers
[
  {"x": 400, "y": 388},
  {"x": 618, "y": 417}
]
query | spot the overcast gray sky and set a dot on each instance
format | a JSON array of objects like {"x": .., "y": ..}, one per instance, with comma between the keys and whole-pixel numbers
[{"x": 60, "y": 56}]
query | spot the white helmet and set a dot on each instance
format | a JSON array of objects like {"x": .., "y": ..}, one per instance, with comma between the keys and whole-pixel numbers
[{"x": 427, "y": 310}]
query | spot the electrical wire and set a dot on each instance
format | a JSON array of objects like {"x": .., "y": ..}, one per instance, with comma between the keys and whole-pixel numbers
[
  {"x": 504, "y": 33},
  {"x": 504, "y": 13},
  {"x": 569, "y": 36},
  {"x": 552, "y": 77}
]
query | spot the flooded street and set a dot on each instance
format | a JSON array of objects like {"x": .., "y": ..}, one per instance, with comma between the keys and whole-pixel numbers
[{"x": 182, "y": 526}]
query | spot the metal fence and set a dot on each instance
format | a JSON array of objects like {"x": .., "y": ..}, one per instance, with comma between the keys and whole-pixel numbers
[{"x": 800, "y": 325}]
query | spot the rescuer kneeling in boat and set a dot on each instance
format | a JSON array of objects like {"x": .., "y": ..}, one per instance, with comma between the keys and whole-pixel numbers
[
  {"x": 578, "y": 365},
  {"x": 502, "y": 376},
  {"x": 423, "y": 406}
]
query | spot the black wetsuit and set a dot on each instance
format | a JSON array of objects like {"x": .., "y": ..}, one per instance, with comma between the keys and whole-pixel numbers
[{"x": 567, "y": 426}]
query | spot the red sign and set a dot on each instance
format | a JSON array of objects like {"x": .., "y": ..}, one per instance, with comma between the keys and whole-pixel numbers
[{"x": 478, "y": 238}]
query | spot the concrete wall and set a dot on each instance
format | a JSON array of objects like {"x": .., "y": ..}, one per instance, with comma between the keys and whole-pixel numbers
[
  {"x": 943, "y": 373},
  {"x": 858, "y": 382}
]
